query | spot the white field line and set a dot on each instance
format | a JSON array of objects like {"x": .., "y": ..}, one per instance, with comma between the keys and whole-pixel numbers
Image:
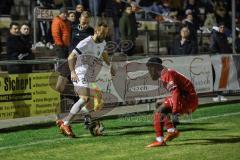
[{"x": 86, "y": 135}]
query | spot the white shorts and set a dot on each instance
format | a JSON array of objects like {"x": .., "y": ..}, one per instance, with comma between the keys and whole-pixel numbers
[{"x": 81, "y": 83}]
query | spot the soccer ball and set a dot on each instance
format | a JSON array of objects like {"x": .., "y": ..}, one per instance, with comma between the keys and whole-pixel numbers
[{"x": 96, "y": 128}]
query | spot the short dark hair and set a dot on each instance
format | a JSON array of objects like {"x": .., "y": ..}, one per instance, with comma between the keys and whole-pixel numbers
[
  {"x": 154, "y": 60},
  {"x": 13, "y": 24},
  {"x": 71, "y": 12}
]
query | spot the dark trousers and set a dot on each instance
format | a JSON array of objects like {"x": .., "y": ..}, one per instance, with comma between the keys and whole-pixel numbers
[{"x": 61, "y": 52}]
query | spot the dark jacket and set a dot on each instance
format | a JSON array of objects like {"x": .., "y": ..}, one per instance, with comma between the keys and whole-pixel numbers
[
  {"x": 189, "y": 47},
  {"x": 128, "y": 27},
  {"x": 193, "y": 30},
  {"x": 28, "y": 45},
  {"x": 15, "y": 46},
  {"x": 219, "y": 43},
  {"x": 79, "y": 34}
]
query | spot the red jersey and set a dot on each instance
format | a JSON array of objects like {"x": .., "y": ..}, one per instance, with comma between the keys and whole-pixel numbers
[{"x": 179, "y": 86}]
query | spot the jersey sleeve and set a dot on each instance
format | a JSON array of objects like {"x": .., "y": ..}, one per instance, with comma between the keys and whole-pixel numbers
[{"x": 81, "y": 48}]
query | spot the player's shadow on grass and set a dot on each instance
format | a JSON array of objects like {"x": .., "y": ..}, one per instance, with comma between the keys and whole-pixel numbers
[
  {"x": 193, "y": 123},
  {"x": 151, "y": 125},
  {"x": 213, "y": 141},
  {"x": 130, "y": 126},
  {"x": 199, "y": 129},
  {"x": 119, "y": 133}
]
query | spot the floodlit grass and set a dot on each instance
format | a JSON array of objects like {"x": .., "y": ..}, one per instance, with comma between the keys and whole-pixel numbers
[{"x": 217, "y": 136}]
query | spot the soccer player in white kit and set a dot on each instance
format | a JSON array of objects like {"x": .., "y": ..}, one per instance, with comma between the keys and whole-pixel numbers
[{"x": 92, "y": 46}]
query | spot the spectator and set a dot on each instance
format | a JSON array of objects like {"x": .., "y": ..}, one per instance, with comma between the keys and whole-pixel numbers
[
  {"x": 15, "y": 49},
  {"x": 72, "y": 18},
  {"x": 61, "y": 31},
  {"x": 219, "y": 42},
  {"x": 193, "y": 6},
  {"x": 27, "y": 42},
  {"x": 222, "y": 15},
  {"x": 190, "y": 23},
  {"x": 78, "y": 11},
  {"x": 82, "y": 30},
  {"x": 117, "y": 9},
  {"x": 82, "y": 2},
  {"x": 210, "y": 20},
  {"x": 183, "y": 45},
  {"x": 136, "y": 10},
  {"x": 128, "y": 28}
]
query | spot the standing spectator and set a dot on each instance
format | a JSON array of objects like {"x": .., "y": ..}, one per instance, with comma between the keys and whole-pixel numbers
[
  {"x": 26, "y": 39},
  {"x": 128, "y": 28},
  {"x": 117, "y": 9},
  {"x": 81, "y": 30},
  {"x": 183, "y": 45},
  {"x": 61, "y": 31},
  {"x": 78, "y": 11},
  {"x": 94, "y": 7},
  {"x": 219, "y": 42}
]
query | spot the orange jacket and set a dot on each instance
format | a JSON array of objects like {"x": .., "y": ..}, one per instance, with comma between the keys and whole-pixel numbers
[{"x": 61, "y": 31}]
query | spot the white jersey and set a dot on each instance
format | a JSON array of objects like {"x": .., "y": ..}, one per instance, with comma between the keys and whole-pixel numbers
[{"x": 88, "y": 54}]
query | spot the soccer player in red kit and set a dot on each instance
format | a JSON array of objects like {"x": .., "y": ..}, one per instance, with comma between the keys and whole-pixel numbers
[{"x": 183, "y": 100}]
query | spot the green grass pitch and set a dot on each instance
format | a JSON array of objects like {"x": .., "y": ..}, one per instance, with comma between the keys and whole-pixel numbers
[{"x": 210, "y": 133}]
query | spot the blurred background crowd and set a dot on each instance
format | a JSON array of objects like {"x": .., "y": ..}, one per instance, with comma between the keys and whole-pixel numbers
[{"x": 165, "y": 27}]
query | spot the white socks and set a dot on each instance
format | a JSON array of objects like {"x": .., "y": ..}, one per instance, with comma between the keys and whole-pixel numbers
[
  {"x": 159, "y": 139},
  {"x": 66, "y": 123},
  {"x": 74, "y": 110},
  {"x": 171, "y": 130},
  {"x": 77, "y": 106}
]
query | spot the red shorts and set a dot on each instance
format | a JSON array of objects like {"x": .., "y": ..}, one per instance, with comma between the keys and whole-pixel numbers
[{"x": 187, "y": 104}]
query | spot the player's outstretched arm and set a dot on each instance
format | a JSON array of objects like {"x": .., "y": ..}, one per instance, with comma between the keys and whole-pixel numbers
[
  {"x": 72, "y": 58},
  {"x": 106, "y": 59}
]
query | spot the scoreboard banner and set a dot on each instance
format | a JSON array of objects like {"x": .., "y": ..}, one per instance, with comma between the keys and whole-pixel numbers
[{"x": 26, "y": 95}]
